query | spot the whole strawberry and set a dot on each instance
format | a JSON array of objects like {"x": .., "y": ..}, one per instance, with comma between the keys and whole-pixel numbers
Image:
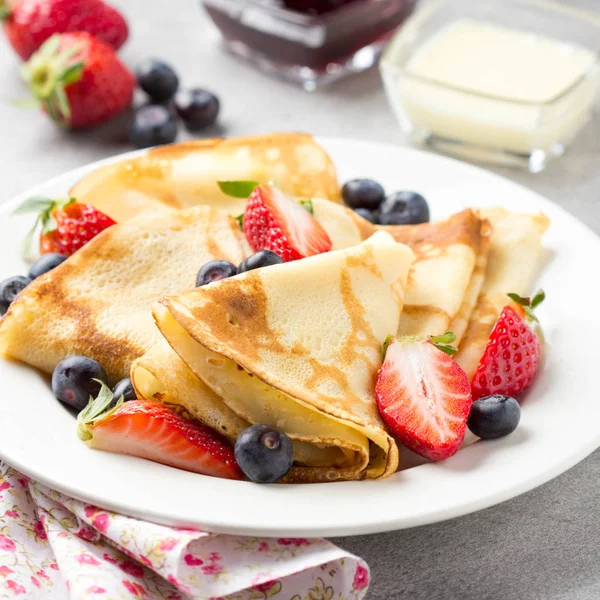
[
  {"x": 66, "y": 225},
  {"x": 78, "y": 80},
  {"x": 29, "y": 23},
  {"x": 513, "y": 352}
]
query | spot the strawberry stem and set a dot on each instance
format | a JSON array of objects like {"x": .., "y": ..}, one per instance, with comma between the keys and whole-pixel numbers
[
  {"x": 386, "y": 344},
  {"x": 444, "y": 343},
  {"x": 4, "y": 10},
  {"x": 529, "y": 304},
  {"x": 96, "y": 410}
]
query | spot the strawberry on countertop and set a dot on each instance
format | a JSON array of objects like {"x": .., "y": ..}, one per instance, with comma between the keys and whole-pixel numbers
[
  {"x": 423, "y": 396},
  {"x": 66, "y": 225},
  {"x": 29, "y": 23},
  {"x": 78, "y": 80},
  {"x": 153, "y": 431},
  {"x": 513, "y": 352},
  {"x": 273, "y": 221}
]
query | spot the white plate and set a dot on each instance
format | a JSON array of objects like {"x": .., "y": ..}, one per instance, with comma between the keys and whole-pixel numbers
[{"x": 560, "y": 422}]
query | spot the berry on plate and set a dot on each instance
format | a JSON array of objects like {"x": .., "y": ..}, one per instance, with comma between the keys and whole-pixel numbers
[
  {"x": 273, "y": 221},
  {"x": 66, "y": 225},
  {"x": 494, "y": 416},
  {"x": 9, "y": 289},
  {"x": 157, "y": 79},
  {"x": 76, "y": 379},
  {"x": 369, "y": 215},
  {"x": 264, "y": 454},
  {"x": 29, "y": 23},
  {"x": 423, "y": 396},
  {"x": 512, "y": 355},
  {"x": 153, "y": 431},
  {"x": 46, "y": 263},
  {"x": 153, "y": 125},
  {"x": 363, "y": 193},
  {"x": 124, "y": 389},
  {"x": 215, "y": 270},
  {"x": 262, "y": 258},
  {"x": 404, "y": 208},
  {"x": 78, "y": 80},
  {"x": 197, "y": 108}
]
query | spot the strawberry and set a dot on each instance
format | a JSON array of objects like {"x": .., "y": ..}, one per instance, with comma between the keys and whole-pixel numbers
[
  {"x": 29, "y": 23},
  {"x": 512, "y": 355},
  {"x": 423, "y": 396},
  {"x": 273, "y": 221},
  {"x": 66, "y": 225},
  {"x": 152, "y": 430},
  {"x": 78, "y": 80}
]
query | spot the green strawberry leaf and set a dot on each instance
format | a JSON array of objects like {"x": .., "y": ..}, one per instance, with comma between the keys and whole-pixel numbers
[
  {"x": 96, "y": 410},
  {"x": 240, "y": 220},
  {"x": 443, "y": 342},
  {"x": 36, "y": 204},
  {"x": 386, "y": 344},
  {"x": 539, "y": 297},
  {"x": 238, "y": 189},
  {"x": 307, "y": 204},
  {"x": 529, "y": 304}
]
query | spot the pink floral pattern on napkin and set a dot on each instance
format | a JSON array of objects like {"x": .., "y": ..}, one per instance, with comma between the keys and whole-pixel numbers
[{"x": 52, "y": 546}]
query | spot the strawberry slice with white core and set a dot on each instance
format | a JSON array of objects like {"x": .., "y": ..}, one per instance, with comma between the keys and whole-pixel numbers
[
  {"x": 273, "y": 221},
  {"x": 153, "y": 431},
  {"x": 423, "y": 396}
]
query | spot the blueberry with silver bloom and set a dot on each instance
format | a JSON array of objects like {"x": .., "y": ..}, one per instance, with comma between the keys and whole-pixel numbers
[
  {"x": 124, "y": 388},
  {"x": 263, "y": 258},
  {"x": 494, "y": 416},
  {"x": 197, "y": 108},
  {"x": 153, "y": 125},
  {"x": 215, "y": 270},
  {"x": 404, "y": 208},
  {"x": 46, "y": 263},
  {"x": 73, "y": 380},
  {"x": 10, "y": 288},
  {"x": 264, "y": 454},
  {"x": 157, "y": 79},
  {"x": 363, "y": 193},
  {"x": 369, "y": 215}
]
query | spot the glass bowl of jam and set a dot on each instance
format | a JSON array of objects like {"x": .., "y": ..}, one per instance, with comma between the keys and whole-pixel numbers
[{"x": 308, "y": 42}]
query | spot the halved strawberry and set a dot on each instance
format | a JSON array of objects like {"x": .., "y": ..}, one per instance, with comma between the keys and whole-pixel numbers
[
  {"x": 152, "y": 430},
  {"x": 512, "y": 355},
  {"x": 273, "y": 221},
  {"x": 423, "y": 396}
]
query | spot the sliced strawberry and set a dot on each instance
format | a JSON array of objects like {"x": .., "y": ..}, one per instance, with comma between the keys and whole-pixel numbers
[
  {"x": 275, "y": 222},
  {"x": 423, "y": 396},
  {"x": 152, "y": 430},
  {"x": 512, "y": 355}
]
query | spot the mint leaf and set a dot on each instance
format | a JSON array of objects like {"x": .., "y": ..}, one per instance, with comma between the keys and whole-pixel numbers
[{"x": 237, "y": 189}]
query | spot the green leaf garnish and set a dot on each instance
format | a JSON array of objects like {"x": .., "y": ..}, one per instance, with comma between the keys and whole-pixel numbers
[
  {"x": 444, "y": 342},
  {"x": 529, "y": 304},
  {"x": 96, "y": 410},
  {"x": 238, "y": 189},
  {"x": 307, "y": 204},
  {"x": 386, "y": 344},
  {"x": 240, "y": 220}
]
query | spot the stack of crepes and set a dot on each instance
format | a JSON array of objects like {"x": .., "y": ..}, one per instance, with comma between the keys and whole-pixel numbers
[{"x": 297, "y": 345}]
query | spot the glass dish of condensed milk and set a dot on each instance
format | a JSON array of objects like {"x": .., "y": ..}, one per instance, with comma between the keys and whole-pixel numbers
[{"x": 510, "y": 82}]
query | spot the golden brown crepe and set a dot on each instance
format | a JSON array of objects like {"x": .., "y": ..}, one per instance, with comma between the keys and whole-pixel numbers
[
  {"x": 304, "y": 361},
  {"x": 513, "y": 262},
  {"x": 186, "y": 174},
  {"x": 97, "y": 303}
]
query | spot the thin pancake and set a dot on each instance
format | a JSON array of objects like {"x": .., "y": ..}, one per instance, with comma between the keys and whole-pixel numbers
[
  {"x": 306, "y": 361},
  {"x": 515, "y": 248},
  {"x": 182, "y": 175},
  {"x": 97, "y": 303}
]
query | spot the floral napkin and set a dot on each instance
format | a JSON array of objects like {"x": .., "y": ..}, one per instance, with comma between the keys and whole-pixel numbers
[{"x": 55, "y": 547}]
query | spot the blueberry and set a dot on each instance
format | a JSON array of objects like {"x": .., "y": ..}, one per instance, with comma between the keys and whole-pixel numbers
[
  {"x": 264, "y": 453},
  {"x": 9, "y": 288},
  {"x": 124, "y": 388},
  {"x": 263, "y": 258},
  {"x": 363, "y": 193},
  {"x": 72, "y": 380},
  {"x": 157, "y": 79},
  {"x": 197, "y": 108},
  {"x": 46, "y": 263},
  {"x": 494, "y": 416},
  {"x": 369, "y": 215},
  {"x": 152, "y": 125},
  {"x": 404, "y": 208},
  {"x": 215, "y": 270}
]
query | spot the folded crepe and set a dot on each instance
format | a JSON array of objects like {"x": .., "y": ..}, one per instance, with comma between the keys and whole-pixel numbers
[
  {"x": 447, "y": 274},
  {"x": 98, "y": 302},
  {"x": 298, "y": 346},
  {"x": 186, "y": 174},
  {"x": 513, "y": 262}
]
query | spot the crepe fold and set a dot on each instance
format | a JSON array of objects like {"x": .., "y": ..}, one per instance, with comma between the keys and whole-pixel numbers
[
  {"x": 298, "y": 346},
  {"x": 186, "y": 174},
  {"x": 98, "y": 302}
]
